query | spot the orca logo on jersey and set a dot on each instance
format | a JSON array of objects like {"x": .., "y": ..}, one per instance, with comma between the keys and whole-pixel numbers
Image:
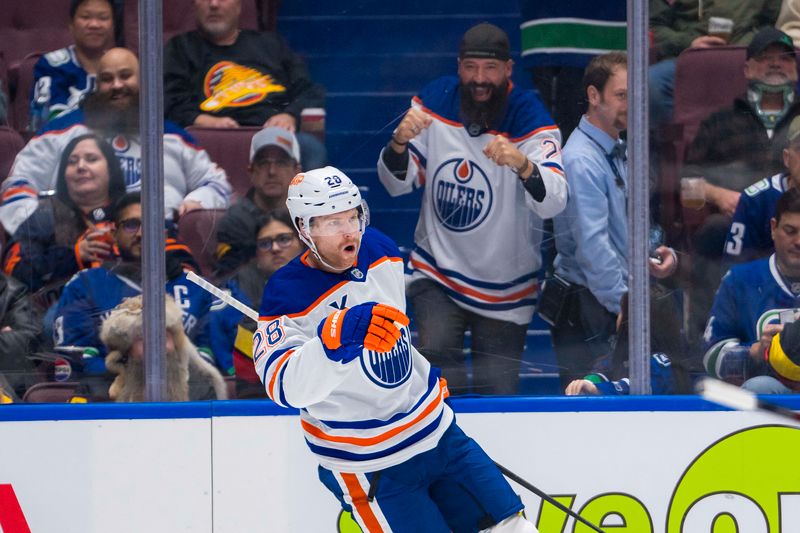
[
  {"x": 462, "y": 196},
  {"x": 390, "y": 369}
]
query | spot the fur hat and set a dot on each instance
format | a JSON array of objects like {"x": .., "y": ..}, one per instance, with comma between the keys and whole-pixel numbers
[
  {"x": 124, "y": 325},
  {"x": 184, "y": 365}
]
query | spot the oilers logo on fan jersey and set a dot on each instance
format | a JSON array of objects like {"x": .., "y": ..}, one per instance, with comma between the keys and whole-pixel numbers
[
  {"x": 463, "y": 195},
  {"x": 392, "y": 368}
]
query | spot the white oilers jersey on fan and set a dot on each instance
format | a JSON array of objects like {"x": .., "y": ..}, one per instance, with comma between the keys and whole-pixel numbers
[
  {"x": 366, "y": 415},
  {"x": 189, "y": 174},
  {"x": 479, "y": 231}
]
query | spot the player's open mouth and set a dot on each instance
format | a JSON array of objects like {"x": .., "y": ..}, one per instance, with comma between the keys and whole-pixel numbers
[{"x": 350, "y": 248}]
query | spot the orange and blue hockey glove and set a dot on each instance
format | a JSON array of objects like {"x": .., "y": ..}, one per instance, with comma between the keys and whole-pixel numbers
[{"x": 345, "y": 333}]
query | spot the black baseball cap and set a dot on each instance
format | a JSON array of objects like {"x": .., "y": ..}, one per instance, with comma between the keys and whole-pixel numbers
[
  {"x": 767, "y": 37},
  {"x": 485, "y": 41}
]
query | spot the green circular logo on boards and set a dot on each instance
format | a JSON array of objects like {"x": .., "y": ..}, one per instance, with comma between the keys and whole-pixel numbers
[
  {"x": 746, "y": 482},
  {"x": 345, "y": 523}
]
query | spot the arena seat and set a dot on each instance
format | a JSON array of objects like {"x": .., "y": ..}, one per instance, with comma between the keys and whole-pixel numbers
[
  {"x": 11, "y": 142},
  {"x": 178, "y": 18},
  {"x": 24, "y": 82},
  {"x": 24, "y": 28},
  {"x": 706, "y": 79},
  {"x": 198, "y": 230},
  {"x": 51, "y": 392},
  {"x": 230, "y": 149}
]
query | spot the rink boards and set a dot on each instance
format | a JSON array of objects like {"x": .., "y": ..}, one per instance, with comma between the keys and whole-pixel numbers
[{"x": 660, "y": 464}]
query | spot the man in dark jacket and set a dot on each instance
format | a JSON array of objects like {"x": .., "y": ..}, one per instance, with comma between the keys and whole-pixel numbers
[
  {"x": 221, "y": 76},
  {"x": 20, "y": 328}
]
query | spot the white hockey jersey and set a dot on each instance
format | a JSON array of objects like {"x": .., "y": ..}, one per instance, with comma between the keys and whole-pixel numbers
[
  {"x": 188, "y": 171},
  {"x": 479, "y": 231},
  {"x": 366, "y": 415}
]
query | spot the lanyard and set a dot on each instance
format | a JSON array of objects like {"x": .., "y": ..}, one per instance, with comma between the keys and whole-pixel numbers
[{"x": 610, "y": 158}]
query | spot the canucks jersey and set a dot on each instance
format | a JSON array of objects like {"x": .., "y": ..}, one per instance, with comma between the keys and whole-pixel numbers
[
  {"x": 661, "y": 380},
  {"x": 59, "y": 85},
  {"x": 374, "y": 412},
  {"x": 188, "y": 171},
  {"x": 750, "y": 235},
  {"x": 750, "y": 296},
  {"x": 479, "y": 231},
  {"x": 91, "y": 294}
]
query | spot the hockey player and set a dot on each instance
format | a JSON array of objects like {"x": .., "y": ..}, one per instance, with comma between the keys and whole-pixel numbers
[{"x": 333, "y": 340}]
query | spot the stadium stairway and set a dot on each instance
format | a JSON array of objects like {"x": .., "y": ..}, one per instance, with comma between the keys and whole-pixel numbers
[{"x": 372, "y": 57}]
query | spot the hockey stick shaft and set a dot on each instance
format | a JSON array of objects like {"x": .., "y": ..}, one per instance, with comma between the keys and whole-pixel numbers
[
  {"x": 734, "y": 397},
  {"x": 546, "y": 497},
  {"x": 222, "y": 295}
]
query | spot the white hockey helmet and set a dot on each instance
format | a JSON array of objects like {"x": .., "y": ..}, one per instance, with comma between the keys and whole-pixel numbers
[{"x": 319, "y": 192}]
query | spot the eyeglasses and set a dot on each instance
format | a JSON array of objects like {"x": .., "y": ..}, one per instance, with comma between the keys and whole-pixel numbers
[
  {"x": 130, "y": 225},
  {"x": 283, "y": 240},
  {"x": 278, "y": 163}
]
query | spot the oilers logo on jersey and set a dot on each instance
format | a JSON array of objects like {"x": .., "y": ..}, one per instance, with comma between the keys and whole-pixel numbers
[
  {"x": 392, "y": 368},
  {"x": 462, "y": 194}
]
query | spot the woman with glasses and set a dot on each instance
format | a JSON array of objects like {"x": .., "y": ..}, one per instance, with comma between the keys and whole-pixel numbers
[
  {"x": 277, "y": 243},
  {"x": 72, "y": 230}
]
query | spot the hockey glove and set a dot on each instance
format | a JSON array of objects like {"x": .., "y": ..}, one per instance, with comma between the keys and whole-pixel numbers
[{"x": 345, "y": 333}]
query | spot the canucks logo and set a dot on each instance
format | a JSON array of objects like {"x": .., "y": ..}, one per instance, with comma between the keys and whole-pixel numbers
[
  {"x": 390, "y": 369},
  {"x": 228, "y": 84},
  {"x": 462, "y": 196}
]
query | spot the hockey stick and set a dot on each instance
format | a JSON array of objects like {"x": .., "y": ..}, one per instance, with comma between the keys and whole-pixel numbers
[
  {"x": 222, "y": 295},
  {"x": 250, "y": 312},
  {"x": 722, "y": 393},
  {"x": 545, "y": 497}
]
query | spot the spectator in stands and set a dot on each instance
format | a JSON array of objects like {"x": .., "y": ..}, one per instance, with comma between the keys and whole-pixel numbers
[
  {"x": 221, "y": 76},
  {"x": 558, "y": 41},
  {"x": 668, "y": 365},
  {"x": 592, "y": 232},
  {"x": 20, "y": 328},
  {"x": 753, "y": 303},
  {"x": 70, "y": 230},
  {"x": 676, "y": 25},
  {"x": 188, "y": 375},
  {"x": 734, "y": 147},
  {"x": 191, "y": 180},
  {"x": 490, "y": 156},
  {"x": 274, "y": 161},
  {"x": 750, "y": 236},
  {"x": 231, "y": 333},
  {"x": 62, "y": 78},
  {"x": 90, "y": 295}
]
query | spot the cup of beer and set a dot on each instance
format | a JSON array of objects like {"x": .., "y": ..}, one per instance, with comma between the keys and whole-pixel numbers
[
  {"x": 720, "y": 27},
  {"x": 312, "y": 120},
  {"x": 693, "y": 192}
]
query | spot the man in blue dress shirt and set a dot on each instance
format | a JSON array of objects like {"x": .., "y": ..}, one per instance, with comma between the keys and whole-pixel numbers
[{"x": 591, "y": 233}]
